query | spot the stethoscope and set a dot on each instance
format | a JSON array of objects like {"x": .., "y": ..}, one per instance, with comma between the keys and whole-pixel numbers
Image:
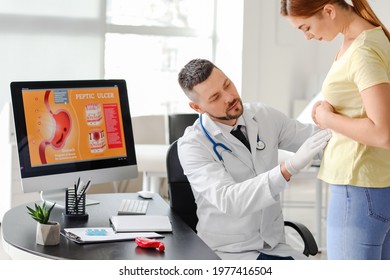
[{"x": 260, "y": 144}]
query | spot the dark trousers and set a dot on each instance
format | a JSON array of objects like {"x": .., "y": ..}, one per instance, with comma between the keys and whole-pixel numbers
[{"x": 263, "y": 256}]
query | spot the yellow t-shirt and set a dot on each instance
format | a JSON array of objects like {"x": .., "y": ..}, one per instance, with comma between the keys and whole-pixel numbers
[{"x": 366, "y": 63}]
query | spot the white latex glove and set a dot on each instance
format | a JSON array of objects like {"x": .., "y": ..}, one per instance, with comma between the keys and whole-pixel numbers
[{"x": 312, "y": 146}]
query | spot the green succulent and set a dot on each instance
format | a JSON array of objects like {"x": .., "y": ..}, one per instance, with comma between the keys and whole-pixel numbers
[{"x": 41, "y": 214}]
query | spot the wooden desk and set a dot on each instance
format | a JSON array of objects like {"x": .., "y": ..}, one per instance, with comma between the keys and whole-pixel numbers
[{"x": 18, "y": 230}]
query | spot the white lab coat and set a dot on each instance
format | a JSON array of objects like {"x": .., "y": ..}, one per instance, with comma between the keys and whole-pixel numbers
[{"x": 239, "y": 216}]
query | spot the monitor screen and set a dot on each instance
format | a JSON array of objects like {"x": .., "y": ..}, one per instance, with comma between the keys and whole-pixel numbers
[{"x": 67, "y": 130}]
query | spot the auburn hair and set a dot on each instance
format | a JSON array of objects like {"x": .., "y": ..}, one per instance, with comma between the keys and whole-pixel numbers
[{"x": 308, "y": 8}]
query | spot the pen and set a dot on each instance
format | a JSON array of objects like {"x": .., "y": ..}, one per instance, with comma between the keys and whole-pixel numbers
[
  {"x": 80, "y": 187},
  {"x": 72, "y": 235},
  {"x": 85, "y": 188},
  {"x": 77, "y": 185},
  {"x": 75, "y": 193}
]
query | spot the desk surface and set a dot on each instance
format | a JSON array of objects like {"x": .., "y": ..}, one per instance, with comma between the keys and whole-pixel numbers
[{"x": 182, "y": 244}]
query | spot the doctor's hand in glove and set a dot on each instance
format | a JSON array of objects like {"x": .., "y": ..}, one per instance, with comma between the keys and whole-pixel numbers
[{"x": 312, "y": 146}]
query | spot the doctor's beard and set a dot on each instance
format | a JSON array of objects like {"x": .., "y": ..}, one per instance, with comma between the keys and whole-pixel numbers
[{"x": 230, "y": 116}]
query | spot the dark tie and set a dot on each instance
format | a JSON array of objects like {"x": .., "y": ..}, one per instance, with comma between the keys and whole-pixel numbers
[{"x": 240, "y": 136}]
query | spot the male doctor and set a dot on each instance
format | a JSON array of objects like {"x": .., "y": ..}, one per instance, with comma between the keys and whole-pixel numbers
[{"x": 236, "y": 188}]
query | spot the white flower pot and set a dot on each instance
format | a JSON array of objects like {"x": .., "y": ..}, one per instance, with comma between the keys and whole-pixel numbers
[{"x": 48, "y": 234}]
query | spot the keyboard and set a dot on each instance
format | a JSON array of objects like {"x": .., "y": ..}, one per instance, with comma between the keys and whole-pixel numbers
[{"x": 133, "y": 207}]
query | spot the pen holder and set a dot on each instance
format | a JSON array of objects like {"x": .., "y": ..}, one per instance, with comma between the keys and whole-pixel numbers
[{"x": 75, "y": 205}]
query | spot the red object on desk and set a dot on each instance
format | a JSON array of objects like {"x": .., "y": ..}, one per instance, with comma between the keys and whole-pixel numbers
[{"x": 149, "y": 243}]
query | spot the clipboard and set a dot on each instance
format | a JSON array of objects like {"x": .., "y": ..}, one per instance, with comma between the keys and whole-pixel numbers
[
  {"x": 104, "y": 234},
  {"x": 140, "y": 223}
]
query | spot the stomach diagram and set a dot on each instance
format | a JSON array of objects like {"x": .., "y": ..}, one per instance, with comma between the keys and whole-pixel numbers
[{"x": 61, "y": 132}]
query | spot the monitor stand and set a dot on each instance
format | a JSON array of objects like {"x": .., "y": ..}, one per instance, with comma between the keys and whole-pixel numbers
[{"x": 58, "y": 197}]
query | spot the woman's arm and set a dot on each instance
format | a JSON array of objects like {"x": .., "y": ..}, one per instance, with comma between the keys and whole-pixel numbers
[{"x": 374, "y": 130}]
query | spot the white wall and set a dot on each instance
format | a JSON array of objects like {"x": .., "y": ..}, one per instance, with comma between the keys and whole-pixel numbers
[
  {"x": 50, "y": 39},
  {"x": 279, "y": 65}
]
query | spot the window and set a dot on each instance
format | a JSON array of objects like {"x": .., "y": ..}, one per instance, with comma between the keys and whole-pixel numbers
[{"x": 148, "y": 41}]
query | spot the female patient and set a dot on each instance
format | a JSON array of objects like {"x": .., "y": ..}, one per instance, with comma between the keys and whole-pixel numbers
[{"x": 356, "y": 162}]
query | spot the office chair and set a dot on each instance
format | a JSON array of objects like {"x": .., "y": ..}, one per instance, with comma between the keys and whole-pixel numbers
[
  {"x": 182, "y": 201},
  {"x": 177, "y": 123}
]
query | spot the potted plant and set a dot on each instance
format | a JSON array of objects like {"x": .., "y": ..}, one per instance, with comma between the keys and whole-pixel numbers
[{"x": 48, "y": 232}]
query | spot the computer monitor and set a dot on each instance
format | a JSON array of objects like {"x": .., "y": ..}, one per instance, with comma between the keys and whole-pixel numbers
[{"x": 67, "y": 130}]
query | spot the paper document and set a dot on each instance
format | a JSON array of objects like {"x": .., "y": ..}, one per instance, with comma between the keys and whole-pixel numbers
[
  {"x": 105, "y": 234},
  {"x": 141, "y": 223}
]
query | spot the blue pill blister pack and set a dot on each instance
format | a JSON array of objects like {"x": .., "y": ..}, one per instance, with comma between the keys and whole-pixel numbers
[{"x": 96, "y": 232}]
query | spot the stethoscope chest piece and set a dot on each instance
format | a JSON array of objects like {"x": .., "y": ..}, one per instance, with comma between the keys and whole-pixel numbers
[{"x": 260, "y": 145}]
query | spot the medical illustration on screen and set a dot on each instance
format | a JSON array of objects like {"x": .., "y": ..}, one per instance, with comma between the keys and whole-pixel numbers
[{"x": 66, "y": 125}]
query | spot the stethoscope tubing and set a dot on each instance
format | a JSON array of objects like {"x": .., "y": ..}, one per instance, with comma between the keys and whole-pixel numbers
[
  {"x": 215, "y": 144},
  {"x": 260, "y": 146}
]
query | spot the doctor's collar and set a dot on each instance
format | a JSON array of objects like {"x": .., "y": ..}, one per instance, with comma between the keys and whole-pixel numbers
[
  {"x": 240, "y": 121},
  {"x": 228, "y": 128}
]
